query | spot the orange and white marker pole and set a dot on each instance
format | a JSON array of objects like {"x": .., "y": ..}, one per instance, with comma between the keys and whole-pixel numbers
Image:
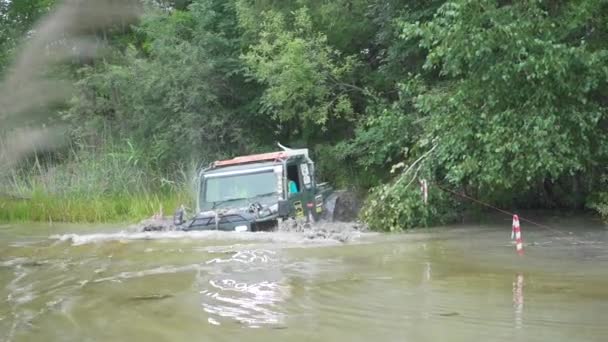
[{"x": 516, "y": 234}]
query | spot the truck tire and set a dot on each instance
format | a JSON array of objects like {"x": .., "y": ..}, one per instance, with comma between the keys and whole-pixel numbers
[{"x": 342, "y": 206}]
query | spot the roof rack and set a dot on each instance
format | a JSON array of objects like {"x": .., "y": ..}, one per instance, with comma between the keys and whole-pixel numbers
[
  {"x": 251, "y": 159},
  {"x": 272, "y": 156}
]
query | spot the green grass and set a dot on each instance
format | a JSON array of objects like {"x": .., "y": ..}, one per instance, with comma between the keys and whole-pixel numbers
[
  {"x": 42, "y": 207},
  {"x": 109, "y": 184}
]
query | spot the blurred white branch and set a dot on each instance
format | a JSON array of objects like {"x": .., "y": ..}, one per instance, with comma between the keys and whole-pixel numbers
[{"x": 67, "y": 30}]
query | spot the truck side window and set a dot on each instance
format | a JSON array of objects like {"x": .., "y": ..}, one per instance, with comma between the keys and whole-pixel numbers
[{"x": 293, "y": 179}]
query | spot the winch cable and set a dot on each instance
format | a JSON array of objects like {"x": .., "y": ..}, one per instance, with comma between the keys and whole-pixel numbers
[
  {"x": 501, "y": 210},
  {"x": 474, "y": 199}
]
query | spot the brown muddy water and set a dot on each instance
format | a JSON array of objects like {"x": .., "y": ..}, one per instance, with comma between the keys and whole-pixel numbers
[{"x": 458, "y": 283}]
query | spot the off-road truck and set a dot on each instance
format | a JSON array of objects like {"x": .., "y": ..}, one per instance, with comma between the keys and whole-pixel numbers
[{"x": 255, "y": 192}]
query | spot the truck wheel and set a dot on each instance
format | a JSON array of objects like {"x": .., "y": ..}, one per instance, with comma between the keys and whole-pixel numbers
[{"x": 347, "y": 206}]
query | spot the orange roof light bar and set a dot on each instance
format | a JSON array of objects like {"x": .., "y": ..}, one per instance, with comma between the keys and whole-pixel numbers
[{"x": 252, "y": 159}]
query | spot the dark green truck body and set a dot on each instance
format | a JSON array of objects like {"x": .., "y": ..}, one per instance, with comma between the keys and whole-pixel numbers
[{"x": 252, "y": 193}]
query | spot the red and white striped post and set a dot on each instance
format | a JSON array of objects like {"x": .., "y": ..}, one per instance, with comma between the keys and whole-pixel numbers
[{"x": 516, "y": 234}]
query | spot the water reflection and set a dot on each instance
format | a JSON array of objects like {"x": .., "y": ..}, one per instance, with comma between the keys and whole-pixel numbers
[
  {"x": 246, "y": 257},
  {"x": 251, "y": 304},
  {"x": 518, "y": 300},
  {"x": 238, "y": 291}
]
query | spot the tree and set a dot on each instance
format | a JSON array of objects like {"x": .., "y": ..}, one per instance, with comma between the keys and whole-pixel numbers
[
  {"x": 16, "y": 18},
  {"x": 518, "y": 99},
  {"x": 303, "y": 74},
  {"x": 178, "y": 96}
]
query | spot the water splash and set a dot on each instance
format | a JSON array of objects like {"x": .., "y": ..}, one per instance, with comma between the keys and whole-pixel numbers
[{"x": 126, "y": 237}]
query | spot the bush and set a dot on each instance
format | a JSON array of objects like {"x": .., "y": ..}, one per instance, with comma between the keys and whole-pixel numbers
[{"x": 399, "y": 206}]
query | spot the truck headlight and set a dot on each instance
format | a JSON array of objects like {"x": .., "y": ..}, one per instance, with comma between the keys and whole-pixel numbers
[
  {"x": 274, "y": 208},
  {"x": 241, "y": 228}
]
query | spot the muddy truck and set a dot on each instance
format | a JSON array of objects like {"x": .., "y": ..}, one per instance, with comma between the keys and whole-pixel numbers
[{"x": 257, "y": 192}]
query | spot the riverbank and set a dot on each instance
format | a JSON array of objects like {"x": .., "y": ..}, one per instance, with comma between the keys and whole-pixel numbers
[
  {"x": 103, "y": 184},
  {"x": 89, "y": 209}
]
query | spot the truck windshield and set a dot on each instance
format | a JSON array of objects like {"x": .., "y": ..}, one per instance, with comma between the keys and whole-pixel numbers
[{"x": 231, "y": 188}]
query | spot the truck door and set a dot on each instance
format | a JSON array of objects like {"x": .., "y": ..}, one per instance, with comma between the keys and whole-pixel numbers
[
  {"x": 301, "y": 190},
  {"x": 313, "y": 202},
  {"x": 295, "y": 189}
]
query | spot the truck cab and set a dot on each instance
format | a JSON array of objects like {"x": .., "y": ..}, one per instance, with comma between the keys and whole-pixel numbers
[{"x": 252, "y": 193}]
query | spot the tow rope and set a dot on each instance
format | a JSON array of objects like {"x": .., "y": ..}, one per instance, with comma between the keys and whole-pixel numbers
[{"x": 515, "y": 229}]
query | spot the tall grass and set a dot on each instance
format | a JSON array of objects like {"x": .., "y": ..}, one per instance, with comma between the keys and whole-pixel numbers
[
  {"x": 52, "y": 208},
  {"x": 106, "y": 185}
]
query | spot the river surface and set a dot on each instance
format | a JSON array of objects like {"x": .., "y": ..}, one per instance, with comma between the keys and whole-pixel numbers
[{"x": 457, "y": 283}]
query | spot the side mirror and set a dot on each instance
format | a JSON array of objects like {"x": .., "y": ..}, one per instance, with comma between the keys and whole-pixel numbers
[{"x": 284, "y": 208}]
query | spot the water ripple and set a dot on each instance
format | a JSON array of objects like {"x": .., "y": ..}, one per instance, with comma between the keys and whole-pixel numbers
[
  {"x": 253, "y": 304},
  {"x": 246, "y": 257}
]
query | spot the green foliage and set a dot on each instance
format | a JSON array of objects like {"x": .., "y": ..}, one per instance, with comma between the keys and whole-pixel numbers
[
  {"x": 517, "y": 98},
  {"x": 382, "y": 139},
  {"x": 16, "y": 18},
  {"x": 347, "y": 24},
  {"x": 176, "y": 102},
  {"x": 599, "y": 202},
  {"x": 598, "y": 199},
  {"x": 503, "y": 100},
  {"x": 302, "y": 72},
  {"x": 510, "y": 96},
  {"x": 398, "y": 205}
]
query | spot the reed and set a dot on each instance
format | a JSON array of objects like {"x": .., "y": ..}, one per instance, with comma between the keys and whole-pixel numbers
[
  {"x": 111, "y": 185},
  {"x": 119, "y": 208}
]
